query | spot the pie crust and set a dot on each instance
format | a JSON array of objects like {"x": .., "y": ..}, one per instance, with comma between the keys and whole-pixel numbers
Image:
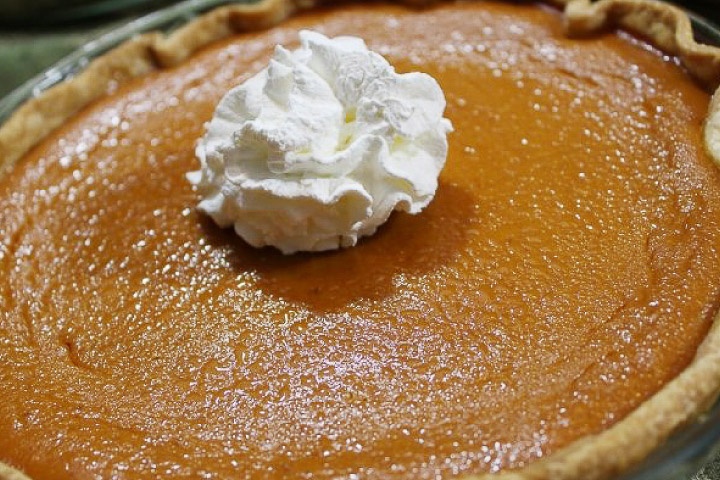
[{"x": 593, "y": 457}]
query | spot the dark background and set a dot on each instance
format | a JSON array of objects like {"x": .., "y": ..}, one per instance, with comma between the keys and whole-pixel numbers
[{"x": 708, "y": 8}]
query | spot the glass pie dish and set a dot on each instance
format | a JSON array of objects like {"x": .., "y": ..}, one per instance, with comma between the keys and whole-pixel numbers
[
  {"x": 25, "y": 13},
  {"x": 678, "y": 457}
]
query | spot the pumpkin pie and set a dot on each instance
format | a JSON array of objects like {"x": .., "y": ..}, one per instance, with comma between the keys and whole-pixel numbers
[{"x": 551, "y": 314}]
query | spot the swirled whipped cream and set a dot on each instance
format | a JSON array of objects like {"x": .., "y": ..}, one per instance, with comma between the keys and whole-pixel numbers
[{"x": 319, "y": 148}]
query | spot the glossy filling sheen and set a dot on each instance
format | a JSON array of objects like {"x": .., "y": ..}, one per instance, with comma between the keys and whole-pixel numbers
[{"x": 567, "y": 269}]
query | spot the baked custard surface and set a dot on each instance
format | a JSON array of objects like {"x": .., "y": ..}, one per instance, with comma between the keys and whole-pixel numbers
[{"x": 565, "y": 272}]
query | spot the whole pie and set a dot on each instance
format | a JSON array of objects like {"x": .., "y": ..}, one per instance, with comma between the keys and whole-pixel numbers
[{"x": 549, "y": 315}]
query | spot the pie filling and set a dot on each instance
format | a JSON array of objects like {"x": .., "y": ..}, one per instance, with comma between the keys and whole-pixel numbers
[{"x": 566, "y": 270}]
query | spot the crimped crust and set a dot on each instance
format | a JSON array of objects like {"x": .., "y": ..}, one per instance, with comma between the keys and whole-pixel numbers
[
  {"x": 39, "y": 116},
  {"x": 593, "y": 457},
  {"x": 666, "y": 26}
]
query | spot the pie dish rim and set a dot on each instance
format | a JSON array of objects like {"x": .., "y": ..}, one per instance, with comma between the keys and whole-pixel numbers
[{"x": 609, "y": 452}]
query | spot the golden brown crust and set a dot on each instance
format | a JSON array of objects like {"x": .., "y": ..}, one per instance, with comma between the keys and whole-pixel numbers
[
  {"x": 646, "y": 428},
  {"x": 593, "y": 457},
  {"x": 220, "y": 23},
  {"x": 666, "y": 26},
  {"x": 41, "y": 115},
  {"x": 9, "y": 473},
  {"x": 712, "y": 127}
]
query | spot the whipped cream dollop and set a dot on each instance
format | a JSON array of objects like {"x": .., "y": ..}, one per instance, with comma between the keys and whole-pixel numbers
[{"x": 319, "y": 148}]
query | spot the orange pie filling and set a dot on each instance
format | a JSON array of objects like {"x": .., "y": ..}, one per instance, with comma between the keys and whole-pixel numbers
[{"x": 567, "y": 269}]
